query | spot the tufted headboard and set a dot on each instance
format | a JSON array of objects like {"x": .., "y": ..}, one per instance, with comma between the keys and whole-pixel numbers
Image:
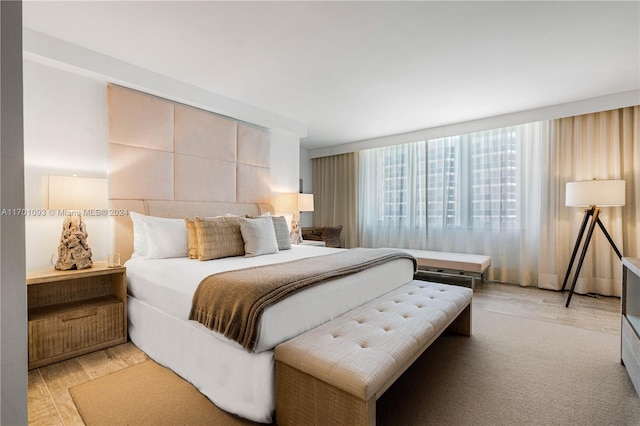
[{"x": 172, "y": 160}]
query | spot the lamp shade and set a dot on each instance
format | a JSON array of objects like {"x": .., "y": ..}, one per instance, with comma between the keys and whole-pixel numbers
[
  {"x": 293, "y": 202},
  {"x": 600, "y": 193},
  {"x": 77, "y": 193},
  {"x": 287, "y": 202},
  {"x": 305, "y": 202}
]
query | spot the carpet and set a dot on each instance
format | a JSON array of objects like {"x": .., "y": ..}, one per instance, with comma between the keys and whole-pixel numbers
[
  {"x": 512, "y": 371},
  {"x": 515, "y": 371},
  {"x": 147, "y": 394}
]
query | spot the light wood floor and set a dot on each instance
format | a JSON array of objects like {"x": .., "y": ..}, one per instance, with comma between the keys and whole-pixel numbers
[{"x": 50, "y": 402}]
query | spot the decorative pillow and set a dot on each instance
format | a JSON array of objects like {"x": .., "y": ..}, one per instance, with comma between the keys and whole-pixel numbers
[
  {"x": 192, "y": 234},
  {"x": 259, "y": 236},
  {"x": 192, "y": 238},
  {"x": 219, "y": 237},
  {"x": 282, "y": 232},
  {"x": 165, "y": 237}
]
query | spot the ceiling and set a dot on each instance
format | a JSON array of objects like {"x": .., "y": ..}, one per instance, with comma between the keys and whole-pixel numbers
[{"x": 358, "y": 70}]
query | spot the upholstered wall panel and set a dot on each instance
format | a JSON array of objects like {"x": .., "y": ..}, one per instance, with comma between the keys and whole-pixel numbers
[
  {"x": 253, "y": 184},
  {"x": 139, "y": 173},
  {"x": 254, "y": 146},
  {"x": 203, "y": 209},
  {"x": 138, "y": 119},
  {"x": 204, "y": 179},
  {"x": 163, "y": 150},
  {"x": 204, "y": 134}
]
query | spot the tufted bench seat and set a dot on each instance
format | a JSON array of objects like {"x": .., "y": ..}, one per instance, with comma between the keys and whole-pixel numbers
[
  {"x": 334, "y": 373},
  {"x": 451, "y": 264}
]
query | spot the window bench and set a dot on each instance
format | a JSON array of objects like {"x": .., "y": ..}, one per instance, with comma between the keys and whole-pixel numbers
[
  {"x": 441, "y": 263},
  {"x": 334, "y": 373}
]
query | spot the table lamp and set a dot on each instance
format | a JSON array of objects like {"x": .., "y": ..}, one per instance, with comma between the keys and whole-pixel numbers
[
  {"x": 72, "y": 195},
  {"x": 295, "y": 203},
  {"x": 593, "y": 195}
]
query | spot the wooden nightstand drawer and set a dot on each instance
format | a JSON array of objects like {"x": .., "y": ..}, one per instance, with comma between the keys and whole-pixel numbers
[
  {"x": 75, "y": 312},
  {"x": 63, "y": 329},
  {"x": 44, "y": 340}
]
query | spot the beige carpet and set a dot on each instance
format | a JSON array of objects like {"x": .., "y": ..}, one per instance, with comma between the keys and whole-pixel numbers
[
  {"x": 515, "y": 371},
  {"x": 512, "y": 371},
  {"x": 146, "y": 394}
]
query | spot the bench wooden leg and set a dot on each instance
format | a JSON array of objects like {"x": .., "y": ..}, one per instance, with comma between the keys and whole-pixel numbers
[
  {"x": 462, "y": 324},
  {"x": 304, "y": 400}
]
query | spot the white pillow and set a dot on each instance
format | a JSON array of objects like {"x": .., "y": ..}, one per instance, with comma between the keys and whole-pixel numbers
[
  {"x": 139, "y": 235},
  {"x": 259, "y": 236},
  {"x": 166, "y": 237},
  {"x": 158, "y": 237}
]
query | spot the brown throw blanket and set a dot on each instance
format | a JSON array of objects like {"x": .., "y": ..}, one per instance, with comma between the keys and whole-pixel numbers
[{"x": 232, "y": 302}]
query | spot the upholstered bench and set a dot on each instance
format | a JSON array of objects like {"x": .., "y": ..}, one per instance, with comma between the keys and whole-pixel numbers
[
  {"x": 471, "y": 266},
  {"x": 334, "y": 373}
]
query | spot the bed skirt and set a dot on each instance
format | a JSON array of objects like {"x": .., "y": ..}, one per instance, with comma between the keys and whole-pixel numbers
[{"x": 237, "y": 381}]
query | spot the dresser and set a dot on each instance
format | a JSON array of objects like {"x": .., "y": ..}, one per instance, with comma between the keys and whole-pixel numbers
[{"x": 630, "y": 330}]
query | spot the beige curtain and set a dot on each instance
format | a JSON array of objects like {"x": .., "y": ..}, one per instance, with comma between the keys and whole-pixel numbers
[
  {"x": 604, "y": 145},
  {"x": 335, "y": 189}
]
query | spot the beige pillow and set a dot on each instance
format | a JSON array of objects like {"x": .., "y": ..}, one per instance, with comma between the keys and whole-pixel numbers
[
  {"x": 192, "y": 238},
  {"x": 259, "y": 236},
  {"x": 219, "y": 237},
  {"x": 282, "y": 232}
]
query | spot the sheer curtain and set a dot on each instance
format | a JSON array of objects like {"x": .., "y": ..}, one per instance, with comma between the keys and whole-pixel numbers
[
  {"x": 335, "y": 191},
  {"x": 392, "y": 196},
  {"x": 502, "y": 193},
  {"x": 474, "y": 193},
  {"x": 604, "y": 145},
  {"x": 498, "y": 183}
]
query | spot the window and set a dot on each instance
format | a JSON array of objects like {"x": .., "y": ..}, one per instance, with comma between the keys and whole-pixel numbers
[
  {"x": 466, "y": 181},
  {"x": 473, "y": 193},
  {"x": 472, "y": 180},
  {"x": 403, "y": 184}
]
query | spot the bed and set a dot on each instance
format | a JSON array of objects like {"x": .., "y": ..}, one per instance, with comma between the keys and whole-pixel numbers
[{"x": 237, "y": 380}]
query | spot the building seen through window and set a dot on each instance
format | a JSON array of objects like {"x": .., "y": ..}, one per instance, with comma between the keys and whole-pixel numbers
[{"x": 467, "y": 181}]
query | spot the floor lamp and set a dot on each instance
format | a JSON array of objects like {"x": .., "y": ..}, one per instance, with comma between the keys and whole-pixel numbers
[{"x": 591, "y": 194}]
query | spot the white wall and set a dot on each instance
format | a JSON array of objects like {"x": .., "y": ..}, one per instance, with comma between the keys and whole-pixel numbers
[
  {"x": 285, "y": 152},
  {"x": 66, "y": 134},
  {"x": 13, "y": 288}
]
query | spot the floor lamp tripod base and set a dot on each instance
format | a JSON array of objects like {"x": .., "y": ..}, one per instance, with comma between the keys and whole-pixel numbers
[{"x": 590, "y": 213}]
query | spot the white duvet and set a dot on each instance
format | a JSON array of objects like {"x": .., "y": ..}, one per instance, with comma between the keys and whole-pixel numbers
[{"x": 169, "y": 285}]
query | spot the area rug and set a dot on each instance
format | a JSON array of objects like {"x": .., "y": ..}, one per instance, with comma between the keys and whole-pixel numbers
[
  {"x": 512, "y": 371},
  {"x": 146, "y": 394}
]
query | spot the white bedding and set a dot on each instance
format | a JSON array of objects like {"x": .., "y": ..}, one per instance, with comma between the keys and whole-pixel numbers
[{"x": 161, "y": 291}]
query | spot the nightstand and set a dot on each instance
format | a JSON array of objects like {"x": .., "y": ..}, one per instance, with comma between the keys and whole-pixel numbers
[
  {"x": 75, "y": 312},
  {"x": 329, "y": 234}
]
